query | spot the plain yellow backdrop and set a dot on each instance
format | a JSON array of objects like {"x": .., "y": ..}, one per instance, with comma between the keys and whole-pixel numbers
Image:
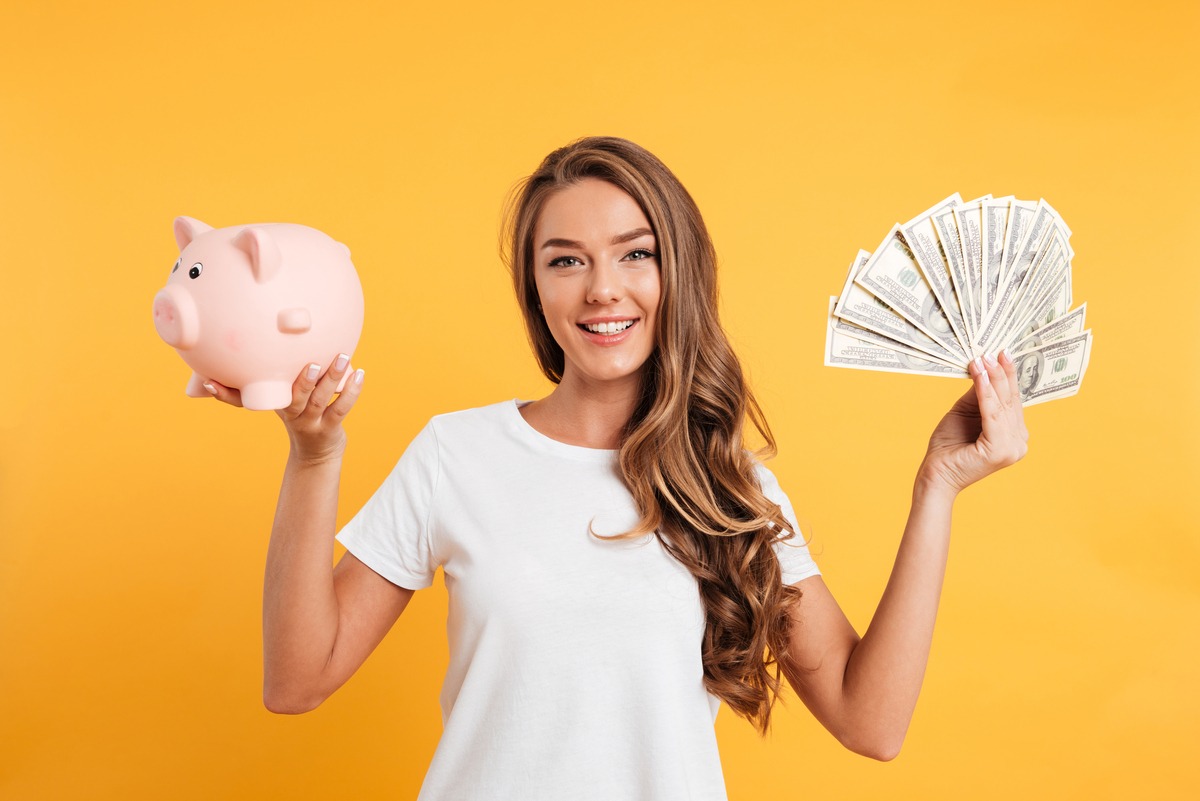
[{"x": 134, "y": 520}]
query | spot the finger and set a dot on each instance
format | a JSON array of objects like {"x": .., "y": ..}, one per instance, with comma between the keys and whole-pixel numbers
[
  {"x": 302, "y": 389},
  {"x": 1010, "y": 367},
  {"x": 985, "y": 393},
  {"x": 1010, "y": 371},
  {"x": 327, "y": 386},
  {"x": 345, "y": 400},
  {"x": 998, "y": 378},
  {"x": 223, "y": 393}
]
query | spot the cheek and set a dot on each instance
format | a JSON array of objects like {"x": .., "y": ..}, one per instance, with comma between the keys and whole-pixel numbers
[{"x": 649, "y": 292}]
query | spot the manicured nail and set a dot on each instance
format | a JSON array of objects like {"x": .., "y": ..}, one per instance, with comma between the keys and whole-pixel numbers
[
  {"x": 314, "y": 370},
  {"x": 358, "y": 376},
  {"x": 979, "y": 364},
  {"x": 986, "y": 378},
  {"x": 990, "y": 358},
  {"x": 211, "y": 389},
  {"x": 342, "y": 361}
]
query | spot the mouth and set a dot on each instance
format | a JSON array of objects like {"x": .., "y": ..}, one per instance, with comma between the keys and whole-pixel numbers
[{"x": 609, "y": 328}]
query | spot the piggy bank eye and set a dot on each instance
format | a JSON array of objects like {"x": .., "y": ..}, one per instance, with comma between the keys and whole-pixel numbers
[
  {"x": 178, "y": 262},
  {"x": 197, "y": 268}
]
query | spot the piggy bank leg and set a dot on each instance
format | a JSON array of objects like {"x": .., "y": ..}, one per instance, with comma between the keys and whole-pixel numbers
[
  {"x": 195, "y": 387},
  {"x": 267, "y": 395}
]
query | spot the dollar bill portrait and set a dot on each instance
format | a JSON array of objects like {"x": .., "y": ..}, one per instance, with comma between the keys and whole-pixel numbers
[{"x": 1029, "y": 371}]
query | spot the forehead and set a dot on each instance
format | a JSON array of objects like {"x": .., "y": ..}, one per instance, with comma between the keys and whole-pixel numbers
[{"x": 591, "y": 210}]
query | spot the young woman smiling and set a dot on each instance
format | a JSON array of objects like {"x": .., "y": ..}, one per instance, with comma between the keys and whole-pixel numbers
[{"x": 617, "y": 562}]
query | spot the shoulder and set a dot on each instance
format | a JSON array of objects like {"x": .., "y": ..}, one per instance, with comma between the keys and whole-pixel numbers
[
  {"x": 476, "y": 425},
  {"x": 489, "y": 416},
  {"x": 766, "y": 478}
]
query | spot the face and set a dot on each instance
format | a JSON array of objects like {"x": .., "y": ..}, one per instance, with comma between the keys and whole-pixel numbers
[
  {"x": 1027, "y": 376},
  {"x": 597, "y": 274}
]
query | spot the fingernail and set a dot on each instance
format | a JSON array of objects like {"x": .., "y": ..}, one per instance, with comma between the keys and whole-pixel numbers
[
  {"x": 314, "y": 370},
  {"x": 342, "y": 361},
  {"x": 986, "y": 378},
  {"x": 211, "y": 389},
  {"x": 979, "y": 364},
  {"x": 990, "y": 358},
  {"x": 358, "y": 375}
]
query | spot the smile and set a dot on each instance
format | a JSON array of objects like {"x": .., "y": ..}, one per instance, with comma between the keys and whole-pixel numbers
[{"x": 607, "y": 328}]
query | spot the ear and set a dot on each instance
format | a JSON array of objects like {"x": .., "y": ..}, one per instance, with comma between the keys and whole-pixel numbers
[
  {"x": 265, "y": 259},
  {"x": 187, "y": 229}
]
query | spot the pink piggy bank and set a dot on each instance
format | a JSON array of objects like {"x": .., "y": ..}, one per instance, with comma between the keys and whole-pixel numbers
[{"x": 251, "y": 305}]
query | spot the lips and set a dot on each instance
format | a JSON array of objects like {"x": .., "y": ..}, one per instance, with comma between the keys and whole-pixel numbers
[
  {"x": 608, "y": 327},
  {"x": 608, "y": 332}
]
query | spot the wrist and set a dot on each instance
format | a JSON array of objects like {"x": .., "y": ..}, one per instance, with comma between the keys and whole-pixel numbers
[
  {"x": 932, "y": 486},
  {"x": 307, "y": 459}
]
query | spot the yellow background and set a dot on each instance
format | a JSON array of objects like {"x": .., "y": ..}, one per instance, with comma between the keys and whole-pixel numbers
[{"x": 134, "y": 520}]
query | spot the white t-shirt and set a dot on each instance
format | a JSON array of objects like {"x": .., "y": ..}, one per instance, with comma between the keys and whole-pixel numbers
[{"x": 575, "y": 667}]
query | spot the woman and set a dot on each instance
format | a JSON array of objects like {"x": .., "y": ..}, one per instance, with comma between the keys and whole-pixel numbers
[{"x": 616, "y": 560}]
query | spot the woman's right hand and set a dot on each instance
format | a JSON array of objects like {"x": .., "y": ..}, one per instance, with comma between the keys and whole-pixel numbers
[{"x": 314, "y": 425}]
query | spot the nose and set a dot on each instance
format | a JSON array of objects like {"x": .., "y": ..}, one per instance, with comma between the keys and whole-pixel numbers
[
  {"x": 604, "y": 283},
  {"x": 176, "y": 318}
]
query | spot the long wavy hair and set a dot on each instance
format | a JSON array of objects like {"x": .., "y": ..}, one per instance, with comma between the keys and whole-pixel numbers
[{"x": 682, "y": 454}]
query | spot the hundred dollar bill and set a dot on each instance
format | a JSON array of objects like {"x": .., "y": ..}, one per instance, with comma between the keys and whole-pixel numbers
[
  {"x": 846, "y": 351},
  {"x": 1053, "y": 370},
  {"x": 856, "y": 332},
  {"x": 946, "y": 224},
  {"x": 1068, "y": 325},
  {"x": 859, "y": 307},
  {"x": 893, "y": 275},
  {"x": 1054, "y": 304},
  {"x": 1033, "y": 245},
  {"x": 920, "y": 234},
  {"x": 1047, "y": 278},
  {"x": 997, "y": 216},
  {"x": 1021, "y": 216},
  {"x": 969, "y": 220}
]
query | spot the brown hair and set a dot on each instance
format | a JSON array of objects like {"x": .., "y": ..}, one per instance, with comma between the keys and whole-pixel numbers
[{"x": 682, "y": 455}]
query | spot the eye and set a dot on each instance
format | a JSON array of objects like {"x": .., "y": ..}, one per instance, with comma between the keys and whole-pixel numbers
[
  {"x": 648, "y": 255},
  {"x": 559, "y": 262},
  {"x": 197, "y": 268},
  {"x": 178, "y": 262}
]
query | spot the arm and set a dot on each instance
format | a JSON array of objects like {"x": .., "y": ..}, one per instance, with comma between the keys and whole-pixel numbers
[
  {"x": 864, "y": 689},
  {"x": 319, "y": 623}
]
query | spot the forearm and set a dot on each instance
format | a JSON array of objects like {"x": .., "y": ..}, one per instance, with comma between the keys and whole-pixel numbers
[
  {"x": 300, "y": 607},
  {"x": 884, "y": 672}
]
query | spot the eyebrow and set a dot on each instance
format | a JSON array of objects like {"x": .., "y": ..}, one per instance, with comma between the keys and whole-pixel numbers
[{"x": 571, "y": 243}]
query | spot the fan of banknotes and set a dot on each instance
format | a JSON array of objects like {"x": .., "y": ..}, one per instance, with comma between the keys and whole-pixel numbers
[{"x": 960, "y": 280}]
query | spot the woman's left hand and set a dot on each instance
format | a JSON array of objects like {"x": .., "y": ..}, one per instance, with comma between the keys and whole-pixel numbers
[{"x": 983, "y": 432}]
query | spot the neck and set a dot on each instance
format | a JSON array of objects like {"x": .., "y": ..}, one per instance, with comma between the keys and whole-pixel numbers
[{"x": 587, "y": 414}]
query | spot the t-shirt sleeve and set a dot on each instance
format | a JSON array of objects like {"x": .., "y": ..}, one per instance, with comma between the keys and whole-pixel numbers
[
  {"x": 795, "y": 561},
  {"x": 391, "y": 532}
]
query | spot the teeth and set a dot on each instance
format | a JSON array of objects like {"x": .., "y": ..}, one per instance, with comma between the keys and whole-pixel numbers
[{"x": 608, "y": 328}]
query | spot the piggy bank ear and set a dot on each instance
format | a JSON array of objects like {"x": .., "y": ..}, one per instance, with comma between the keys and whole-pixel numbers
[
  {"x": 265, "y": 258},
  {"x": 187, "y": 229}
]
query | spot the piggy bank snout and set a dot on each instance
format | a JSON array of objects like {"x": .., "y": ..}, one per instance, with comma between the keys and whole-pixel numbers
[{"x": 176, "y": 318}]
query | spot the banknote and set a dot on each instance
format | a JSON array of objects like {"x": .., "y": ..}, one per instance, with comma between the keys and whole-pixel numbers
[
  {"x": 857, "y": 332},
  {"x": 859, "y": 307},
  {"x": 962, "y": 279},
  {"x": 920, "y": 233},
  {"x": 954, "y": 248},
  {"x": 1068, "y": 325},
  {"x": 969, "y": 220},
  {"x": 846, "y": 351},
  {"x": 1054, "y": 370},
  {"x": 893, "y": 275}
]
